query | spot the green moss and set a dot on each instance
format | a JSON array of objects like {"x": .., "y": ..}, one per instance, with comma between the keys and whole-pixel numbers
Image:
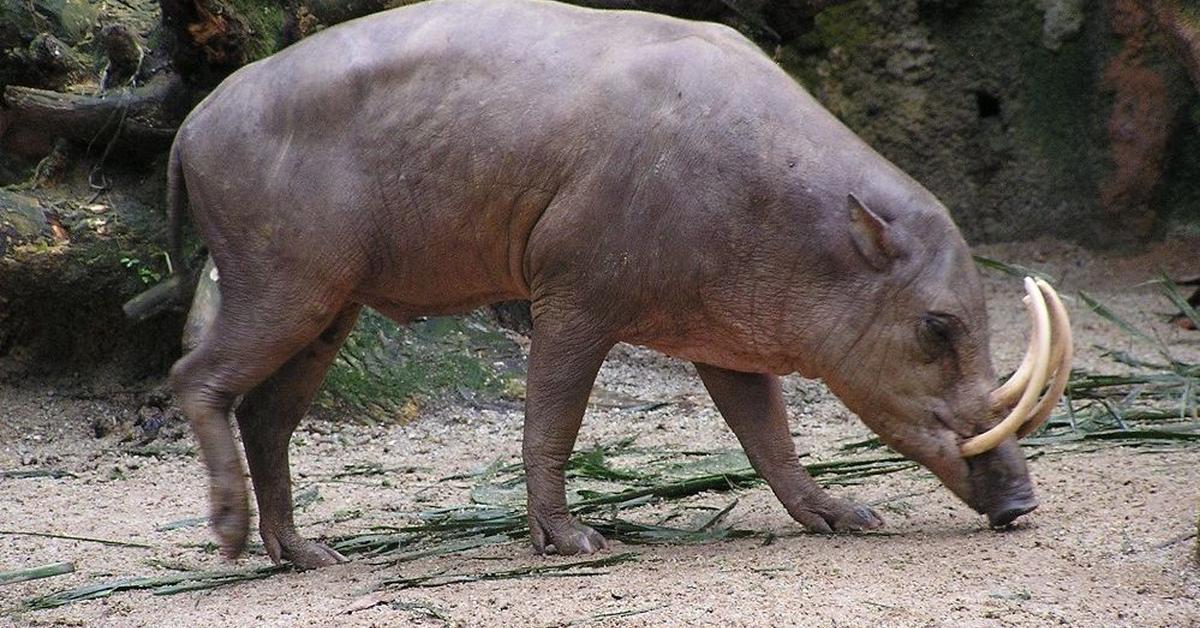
[
  {"x": 76, "y": 17},
  {"x": 967, "y": 100},
  {"x": 265, "y": 20},
  {"x": 21, "y": 20},
  {"x": 1191, "y": 13},
  {"x": 835, "y": 59},
  {"x": 847, "y": 26},
  {"x": 802, "y": 68}
]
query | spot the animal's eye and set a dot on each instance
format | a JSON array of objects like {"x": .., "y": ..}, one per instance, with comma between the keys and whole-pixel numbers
[{"x": 936, "y": 333}]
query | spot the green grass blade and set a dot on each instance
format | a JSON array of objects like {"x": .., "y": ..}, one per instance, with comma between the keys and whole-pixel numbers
[
  {"x": 1110, "y": 316},
  {"x": 576, "y": 568},
  {"x": 158, "y": 585},
  {"x": 68, "y": 537},
  {"x": 1014, "y": 270},
  {"x": 21, "y": 474},
  {"x": 1172, "y": 292},
  {"x": 35, "y": 573},
  {"x": 712, "y": 521}
]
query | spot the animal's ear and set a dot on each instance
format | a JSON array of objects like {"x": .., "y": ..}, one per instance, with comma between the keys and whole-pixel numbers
[{"x": 872, "y": 235}]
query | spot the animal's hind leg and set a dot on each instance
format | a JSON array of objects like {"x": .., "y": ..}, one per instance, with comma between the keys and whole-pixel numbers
[
  {"x": 249, "y": 340},
  {"x": 267, "y": 418}
]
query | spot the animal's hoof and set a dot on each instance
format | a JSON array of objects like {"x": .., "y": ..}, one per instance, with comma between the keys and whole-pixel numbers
[
  {"x": 838, "y": 515},
  {"x": 567, "y": 539},
  {"x": 230, "y": 520},
  {"x": 304, "y": 554},
  {"x": 856, "y": 518},
  {"x": 311, "y": 555}
]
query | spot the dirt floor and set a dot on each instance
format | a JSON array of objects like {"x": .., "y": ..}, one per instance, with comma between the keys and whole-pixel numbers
[{"x": 1112, "y": 543}]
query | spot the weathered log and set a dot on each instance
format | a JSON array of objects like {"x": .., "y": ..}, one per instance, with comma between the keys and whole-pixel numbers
[
  {"x": 697, "y": 8},
  {"x": 145, "y": 118},
  {"x": 209, "y": 39},
  {"x": 331, "y": 12},
  {"x": 160, "y": 298}
]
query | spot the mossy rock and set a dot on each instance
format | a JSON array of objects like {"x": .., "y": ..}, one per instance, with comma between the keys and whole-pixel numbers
[
  {"x": 265, "y": 21},
  {"x": 22, "y": 220},
  {"x": 70, "y": 20}
]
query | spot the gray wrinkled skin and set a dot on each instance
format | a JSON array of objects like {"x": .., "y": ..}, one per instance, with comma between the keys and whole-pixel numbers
[{"x": 639, "y": 179}]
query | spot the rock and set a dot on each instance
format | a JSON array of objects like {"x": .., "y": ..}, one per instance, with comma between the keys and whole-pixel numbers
[
  {"x": 22, "y": 217},
  {"x": 912, "y": 61},
  {"x": 69, "y": 20},
  {"x": 74, "y": 17},
  {"x": 1063, "y": 20},
  {"x": 50, "y": 54}
]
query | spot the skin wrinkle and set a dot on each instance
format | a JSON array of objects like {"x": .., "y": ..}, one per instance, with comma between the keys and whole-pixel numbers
[
  {"x": 862, "y": 333},
  {"x": 882, "y": 357},
  {"x": 533, "y": 230},
  {"x": 379, "y": 257},
  {"x": 826, "y": 337},
  {"x": 879, "y": 302},
  {"x": 896, "y": 332}
]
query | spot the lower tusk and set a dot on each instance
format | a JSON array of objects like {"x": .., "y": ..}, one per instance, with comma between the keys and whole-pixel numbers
[
  {"x": 1038, "y": 376},
  {"x": 1062, "y": 354}
]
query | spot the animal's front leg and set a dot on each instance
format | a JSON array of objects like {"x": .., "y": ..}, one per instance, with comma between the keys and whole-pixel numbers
[
  {"x": 752, "y": 405},
  {"x": 563, "y": 362}
]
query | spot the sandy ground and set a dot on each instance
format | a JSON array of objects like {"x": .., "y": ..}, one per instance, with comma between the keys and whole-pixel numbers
[{"x": 1110, "y": 545}]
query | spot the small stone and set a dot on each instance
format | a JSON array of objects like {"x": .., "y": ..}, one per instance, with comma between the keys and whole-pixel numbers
[{"x": 1063, "y": 20}]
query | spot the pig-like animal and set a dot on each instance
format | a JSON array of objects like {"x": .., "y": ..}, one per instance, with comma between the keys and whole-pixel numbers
[{"x": 639, "y": 179}]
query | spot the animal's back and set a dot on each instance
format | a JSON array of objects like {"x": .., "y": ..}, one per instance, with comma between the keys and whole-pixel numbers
[{"x": 413, "y": 152}]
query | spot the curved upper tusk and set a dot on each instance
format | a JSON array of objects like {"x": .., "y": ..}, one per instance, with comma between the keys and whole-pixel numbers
[
  {"x": 1061, "y": 355},
  {"x": 1007, "y": 393},
  {"x": 1040, "y": 372}
]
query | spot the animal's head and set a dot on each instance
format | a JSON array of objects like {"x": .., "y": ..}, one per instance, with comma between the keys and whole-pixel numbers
[{"x": 918, "y": 370}]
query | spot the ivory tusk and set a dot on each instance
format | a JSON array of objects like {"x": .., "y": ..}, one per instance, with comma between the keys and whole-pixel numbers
[
  {"x": 1007, "y": 393},
  {"x": 1039, "y": 374},
  {"x": 1061, "y": 355}
]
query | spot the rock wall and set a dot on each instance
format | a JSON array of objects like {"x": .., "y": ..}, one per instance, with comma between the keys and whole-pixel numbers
[{"x": 1057, "y": 118}]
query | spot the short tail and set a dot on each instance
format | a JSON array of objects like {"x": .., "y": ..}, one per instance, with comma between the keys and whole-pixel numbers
[
  {"x": 173, "y": 290},
  {"x": 176, "y": 196}
]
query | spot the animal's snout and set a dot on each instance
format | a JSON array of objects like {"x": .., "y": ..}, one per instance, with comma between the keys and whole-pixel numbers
[
  {"x": 1000, "y": 484},
  {"x": 1008, "y": 509}
]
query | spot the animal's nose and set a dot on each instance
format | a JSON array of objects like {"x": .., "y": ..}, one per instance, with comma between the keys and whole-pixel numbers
[
  {"x": 1000, "y": 485},
  {"x": 1005, "y": 511}
]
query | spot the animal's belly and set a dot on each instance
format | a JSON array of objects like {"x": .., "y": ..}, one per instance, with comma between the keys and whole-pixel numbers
[{"x": 414, "y": 283}]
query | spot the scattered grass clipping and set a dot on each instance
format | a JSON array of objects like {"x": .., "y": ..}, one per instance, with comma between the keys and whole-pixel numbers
[{"x": 1153, "y": 403}]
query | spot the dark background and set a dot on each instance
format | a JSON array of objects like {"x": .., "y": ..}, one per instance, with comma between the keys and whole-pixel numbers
[{"x": 1063, "y": 119}]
